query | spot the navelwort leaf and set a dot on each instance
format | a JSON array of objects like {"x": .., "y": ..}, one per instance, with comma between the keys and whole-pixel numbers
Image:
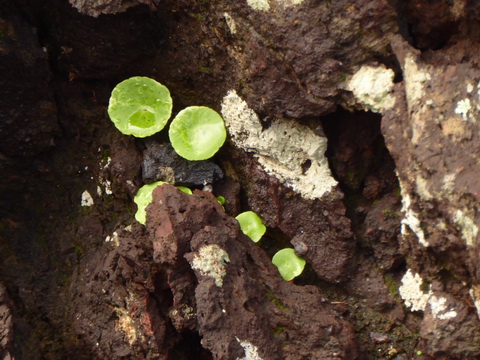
[
  {"x": 251, "y": 225},
  {"x": 288, "y": 263},
  {"x": 140, "y": 106},
  {"x": 197, "y": 133}
]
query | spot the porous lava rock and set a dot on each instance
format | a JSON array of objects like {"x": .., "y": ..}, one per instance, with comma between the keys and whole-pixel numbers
[
  {"x": 318, "y": 228},
  {"x": 193, "y": 272},
  {"x": 433, "y": 137},
  {"x": 161, "y": 162}
]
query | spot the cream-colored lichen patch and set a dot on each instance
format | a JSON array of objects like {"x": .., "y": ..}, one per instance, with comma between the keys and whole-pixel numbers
[
  {"x": 211, "y": 261},
  {"x": 469, "y": 88},
  {"x": 468, "y": 227},
  {"x": 292, "y": 153},
  {"x": 126, "y": 324},
  {"x": 259, "y": 5},
  {"x": 412, "y": 221},
  {"x": 475, "y": 295},
  {"x": 415, "y": 80},
  {"x": 372, "y": 87},
  {"x": 114, "y": 239},
  {"x": 439, "y": 309},
  {"x": 411, "y": 291},
  {"x": 230, "y": 23},
  {"x": 422, "y": 188},
  {"x": 264, "y": 5},
  {"x": 87, "y": 199},
  {"x": 458, "y": 8},
  {"x": 251, "y": 351},
  {"x": 464, "y": 108}
]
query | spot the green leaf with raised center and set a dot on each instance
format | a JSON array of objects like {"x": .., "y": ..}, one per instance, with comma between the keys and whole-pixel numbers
[{"x": 140, "y": 106}]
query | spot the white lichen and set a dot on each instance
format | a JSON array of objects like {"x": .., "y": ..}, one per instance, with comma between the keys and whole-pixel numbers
[
  {"x": 421, "y": 185},
  {"x": 475, "y": 295},
  {"x": 251, "y": 351},
  {"x": 412, "y": 221},
  {"x": 411, "y": 291},
  {"x": 468, "y": 227},
  {"x": 113, "y": 239},
  {"x": 87, "y": 199},
  {"x": 469, "y": 88},
  {"x": 107, "y": 186},
  {"x": 415, "y": 80},
  {"x": 292, "y": 153},
  {"x": 372, "y": 87},
  {"x": 211, "y": 261},
  {"x": 230, "y": 23},
  {"x": 449, "y": 182},
  {"x": 439, "y": 309},
  {"x": 259, "y": 5},
  {"x": 463, "y": 108}
]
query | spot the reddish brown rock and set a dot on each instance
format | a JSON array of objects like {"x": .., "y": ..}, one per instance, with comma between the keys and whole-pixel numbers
[{"x": 202, "y": 276}]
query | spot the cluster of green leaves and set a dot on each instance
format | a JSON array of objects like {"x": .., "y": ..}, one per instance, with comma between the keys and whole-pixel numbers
[
  {"x": 141, "y": 107},
  {"x": 289, "y": 264}
]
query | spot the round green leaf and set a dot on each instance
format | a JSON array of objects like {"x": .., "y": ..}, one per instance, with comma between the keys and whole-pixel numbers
[
  {"x": 140, "y": 106},
  {"x": 288, "y": 263},
  {"x": 197, "y": 133},
  {"x": 251, "y": 225}
]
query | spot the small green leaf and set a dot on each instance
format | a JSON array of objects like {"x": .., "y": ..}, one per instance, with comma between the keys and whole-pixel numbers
[
  {"x": 144, "y": 197},
  {"x": 221, "y": 200},
  {"x": 288, "y": 263},
  {"x": 185, "y": 190},
  {"x": 140, "y": 106},
  {"x": 251, "y": 225},
  {"x": 197, "y": 133}
]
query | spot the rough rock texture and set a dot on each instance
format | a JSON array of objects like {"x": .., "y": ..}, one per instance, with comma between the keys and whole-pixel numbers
[
  {"x": 6, "y": 325},
  {"x": 161, "y": 162},
  {"x": 28, "y": 119},
  {"x": 321, "y": 233},
  {"x": 432, "y": 134},
  {"x": 96, "y": 8},
  {"x": 205, "y": 277},
  {"x": 350, "y": 77}
]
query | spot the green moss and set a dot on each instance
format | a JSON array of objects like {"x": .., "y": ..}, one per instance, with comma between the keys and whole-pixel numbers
[
  {"x": 278, "y": 330},
  {"x": 398, "y": 192},
  {"x": 425, "y": 287},
  {"x": 278, "y": 303},
  {"x": 390, "y": 214},
  {"x": 391, "y": 286}
]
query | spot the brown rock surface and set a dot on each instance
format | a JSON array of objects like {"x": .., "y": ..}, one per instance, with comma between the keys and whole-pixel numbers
[{"x": 206, "y": 278}]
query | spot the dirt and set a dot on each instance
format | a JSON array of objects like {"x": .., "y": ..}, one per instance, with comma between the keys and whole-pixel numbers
[{"x": 88, "y": 282}]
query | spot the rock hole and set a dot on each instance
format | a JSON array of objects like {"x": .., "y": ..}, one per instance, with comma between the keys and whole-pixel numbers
[
  {"x": 306, "y": 165},
  {"x": 427, "y": 24},
  {"x": 266, "y": 122},
  {"x": 190, "y": 348},
  {"x": 361, "y": 163}
]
